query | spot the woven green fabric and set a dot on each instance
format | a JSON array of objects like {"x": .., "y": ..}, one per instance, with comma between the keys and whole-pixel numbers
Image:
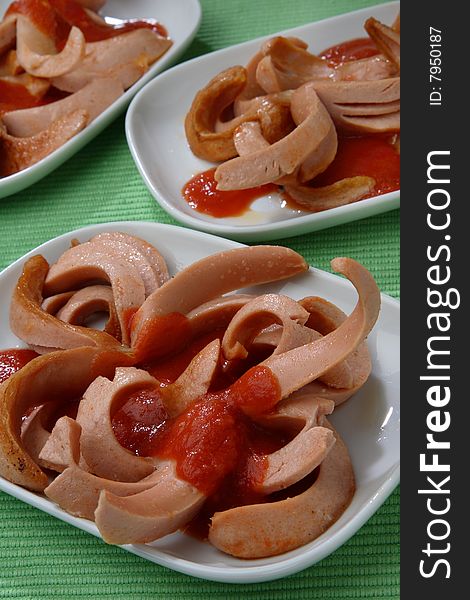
[{"x": 41, "y": 557}]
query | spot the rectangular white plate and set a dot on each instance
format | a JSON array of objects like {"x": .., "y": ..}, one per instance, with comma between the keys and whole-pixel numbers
[
  {"x": 369, "y": 422},
  {"x": 181, "y": 19},
  {"x": 155, "y": 134}
]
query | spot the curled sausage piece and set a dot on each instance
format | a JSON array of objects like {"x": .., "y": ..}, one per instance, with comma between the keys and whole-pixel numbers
[
  {"x": 286, "y": 65},
  {"x": 322, "y": 155},
  {"x": 253, "y": 325},
  {"x": 325, "y": 318},
  {"x": 37, "y": 53},
  {"x": 9, "y": 64},
  {"x": 337, "y": 395},
  {"x": 87, "y": 262},
  {"x": 207, "y": 106},
  {"x": 314, "y": 127},
  {"x": 155, "y": 259},
  {"x": 216, "y": 313},
  {"x": 54, "y": 303},
  {"x": 78, "y": 491},
  {"x": 33, "y": 432},
  {"x": 59, "y": 376},
  {"x": 125, "y": 57},
  {"x": 337, "y": 376},
  {"x": 76, "y": 307},
  {"x": 307, "y": 450},
  {"x": 62, "y": 447},
  {"x": 194, "y": 382},
  {"x": 21, "y": 153},
  {"x": 252, "y": 88},
  {"x": 362, "y": 106},
  {"x": 94, "y": 98},
  {"x": 82, "y": 304},
  {"x": 211, "y": 138},
  {"x": 365, "y": 69},
  {"x": 151, "y": 514},
  {"x": 345, "y": 191},
  {"x": 7, "y": 33},
  {"x": 103, "y": 454},
  {"x": 132, "y": 254},
  {"x": 261, "y": 530},
  {"x": 386, "y": 38},
  {"x": 211, "y": 277},
  {"x": 276, "y": 337},
  {"x": 35, "y": 326},
  {"x": 300, "y": 366},
  {"x": 269, "y": 78},
  {"x": 248, "y": 138},
  {"x": 271, "y": 111},
  {"x": 258, "y": 314}
]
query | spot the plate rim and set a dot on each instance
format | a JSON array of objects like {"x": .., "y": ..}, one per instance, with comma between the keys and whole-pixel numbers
[
  {"x": 278, "y": 229},
  {"x": 225, "y": 574}
]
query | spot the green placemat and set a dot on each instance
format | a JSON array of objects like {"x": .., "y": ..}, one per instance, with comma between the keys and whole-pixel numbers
[{"x": 41, "y": 557}]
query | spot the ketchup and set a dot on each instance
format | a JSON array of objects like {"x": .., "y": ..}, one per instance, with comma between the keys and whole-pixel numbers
[
  {"x": 13, "y": 360},
  {"x": 373, "y": 156},
  {"x": 201, "y": 194},
  {"x": 214, "y": 442},
  {"x": 140, "y": 420},
  {"x": 14, "y": 96}
]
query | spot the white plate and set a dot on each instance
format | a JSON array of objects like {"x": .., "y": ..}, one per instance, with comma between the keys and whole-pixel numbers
[
  {"x": 156, "y": 138},
  {"x": 181, "y": 19},
  {"x": 369, "y": 422}
]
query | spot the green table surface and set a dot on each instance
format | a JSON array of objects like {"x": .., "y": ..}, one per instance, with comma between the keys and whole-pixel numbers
[{"x": 41, "y": 557}]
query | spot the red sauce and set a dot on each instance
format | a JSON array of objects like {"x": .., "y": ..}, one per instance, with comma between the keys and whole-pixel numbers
[
  {"x": 372, "y": 156},
  {"x": 13, "y": 360},
  {"x": 201, "y": 194},
  {"x": 351, "y": 50},
  {"x": 139, "y": 421},
  {"x": 214, "y": 442},
  {"x": 14, "y": 96}
]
